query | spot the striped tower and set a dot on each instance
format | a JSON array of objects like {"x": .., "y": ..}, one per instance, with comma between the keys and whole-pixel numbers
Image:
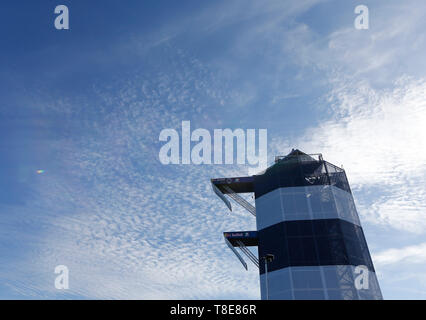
[{"x": 306, "y": 218}]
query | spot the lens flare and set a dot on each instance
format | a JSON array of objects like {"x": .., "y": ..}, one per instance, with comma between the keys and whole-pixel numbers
[{"x": 40, "y": 171}]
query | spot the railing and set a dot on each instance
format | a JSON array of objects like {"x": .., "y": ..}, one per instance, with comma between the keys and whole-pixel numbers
[{"x": 300, "y": 157}]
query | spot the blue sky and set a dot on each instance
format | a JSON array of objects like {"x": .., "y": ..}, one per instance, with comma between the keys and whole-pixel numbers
[{"x": 86, "y": 105}]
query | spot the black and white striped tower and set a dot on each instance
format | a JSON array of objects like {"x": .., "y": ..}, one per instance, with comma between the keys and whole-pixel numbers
[
  {"x": 309, "y": 235},
  {"x": 306, "y": 218}
]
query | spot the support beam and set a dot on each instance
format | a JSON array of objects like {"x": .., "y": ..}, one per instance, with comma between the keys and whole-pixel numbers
[
  {"x": 240, "y": 200},
  {"x": 236, "y": 253}
]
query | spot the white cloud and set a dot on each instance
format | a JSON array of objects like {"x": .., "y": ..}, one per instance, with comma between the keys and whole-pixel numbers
[{"x": 415, "y": 254}]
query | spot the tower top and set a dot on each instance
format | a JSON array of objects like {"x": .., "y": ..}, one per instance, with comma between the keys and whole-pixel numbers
[{"x": 296, "y": 154}]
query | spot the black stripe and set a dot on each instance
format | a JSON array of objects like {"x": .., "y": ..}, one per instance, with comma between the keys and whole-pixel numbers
[
  {"x": 299, "y": 174},
  {"x": 313, "y": 243}
]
